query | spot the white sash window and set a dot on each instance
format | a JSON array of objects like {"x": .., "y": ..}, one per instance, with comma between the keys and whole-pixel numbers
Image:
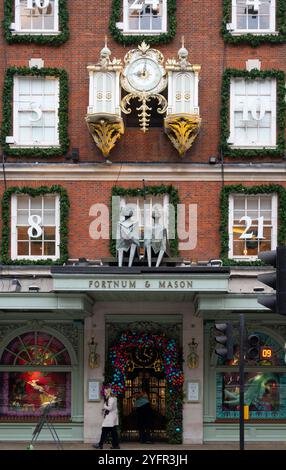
[
  {"x": 253, "y": 16},
  {"x": 36, "y": 103},
  {"x": 252, "y": 113},
  {"x": 35, "y": 227},
  {"x": 36, "y": 16},
  {"x": 252, "y": 225},
  {"x": 145, "y": 16}
]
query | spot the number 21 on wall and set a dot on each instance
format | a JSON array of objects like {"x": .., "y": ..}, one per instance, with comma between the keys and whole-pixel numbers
[{"x": 248, "y": 222}]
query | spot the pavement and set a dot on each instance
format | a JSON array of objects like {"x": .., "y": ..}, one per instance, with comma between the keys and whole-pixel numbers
[{"x": 135, "y": 446}]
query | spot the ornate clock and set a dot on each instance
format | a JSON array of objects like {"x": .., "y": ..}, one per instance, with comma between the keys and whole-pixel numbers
[
  {"x": 144, "y": 77},
  {"x": 145, "y": 356}
]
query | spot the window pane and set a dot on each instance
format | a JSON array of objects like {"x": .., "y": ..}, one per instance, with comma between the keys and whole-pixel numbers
[
  {"x": 49, "y": 249},
  {"x": 49, "y": 233},
  {"x": 23, "y": 202},
  {"x": 23, "y": 233},
  {"x": 22, "y": 217},
  {"x": 23, "y": 249},
  {"x": 23, "y": 394},
  {"x": 36, "y": 248}
]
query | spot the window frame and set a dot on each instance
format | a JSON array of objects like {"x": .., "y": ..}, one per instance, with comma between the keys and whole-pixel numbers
[
  {"x": 7, "y": 121},
  {"x": 14, "y": 226},
  {"x": 145, "y": 32},
  {"x": 225, "y": 147},
  {"x": 272, "y": 21},
  {"x": 53, "y": 38},
  {"x": 274, "y": 228},
  {"x": 232, "y": 128},
  {"x": 19, "y": 30},
  {"x": 16, "y": 111}
]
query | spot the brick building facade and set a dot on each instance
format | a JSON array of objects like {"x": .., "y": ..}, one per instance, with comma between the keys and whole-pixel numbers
[{"x": 60, "y": 293}]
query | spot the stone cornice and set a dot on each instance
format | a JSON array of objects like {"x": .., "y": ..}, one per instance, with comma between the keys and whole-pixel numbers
[{"x": 150, "y": 172}]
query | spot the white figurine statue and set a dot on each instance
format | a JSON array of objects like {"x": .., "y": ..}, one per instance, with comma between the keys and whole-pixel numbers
[
  {"x": 155, "y": 239},
  {"x": 127, "y": 237}
]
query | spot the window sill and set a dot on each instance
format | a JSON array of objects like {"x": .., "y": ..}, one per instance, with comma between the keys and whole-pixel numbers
[
  {"x": 35, "y": 258},
  {"x": 32, "y": 146},
  {"x": 253, "y": 32},
  {"x": 143, "y": 33},
  {"x": 252, "y": 147},
  {"x": 35, "y": 33}
]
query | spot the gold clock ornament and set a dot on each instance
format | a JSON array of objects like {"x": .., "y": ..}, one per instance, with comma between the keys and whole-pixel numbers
[{"x": 144, "y": 77}]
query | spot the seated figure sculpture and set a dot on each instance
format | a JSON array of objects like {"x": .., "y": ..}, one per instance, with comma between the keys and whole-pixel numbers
[
  {"x": 156, "y": 239},
  {"x": 127, "y": 237}
]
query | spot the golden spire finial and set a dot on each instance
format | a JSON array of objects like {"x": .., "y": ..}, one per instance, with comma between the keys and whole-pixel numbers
[
  {"x": 183, "y": 41},
  {"x": 105, "y": 41}
]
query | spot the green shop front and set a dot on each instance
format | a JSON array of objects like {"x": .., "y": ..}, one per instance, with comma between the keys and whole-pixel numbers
[{"x": 139, "y": 328}]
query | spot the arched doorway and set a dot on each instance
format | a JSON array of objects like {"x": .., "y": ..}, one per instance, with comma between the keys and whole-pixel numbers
[{"x": 149, "y": 362}]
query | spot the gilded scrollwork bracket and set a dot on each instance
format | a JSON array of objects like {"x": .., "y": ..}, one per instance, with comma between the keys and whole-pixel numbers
[
  {"x": 105, "y": 129},
  {"x": 182, "y": 130},
  {"x": 143, "y": 114}
]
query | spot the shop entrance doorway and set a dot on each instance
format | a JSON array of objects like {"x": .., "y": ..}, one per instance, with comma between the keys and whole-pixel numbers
[{"x": 154, "y": 384}]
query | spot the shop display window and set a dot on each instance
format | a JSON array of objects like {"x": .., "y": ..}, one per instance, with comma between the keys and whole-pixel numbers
[
  {"x": 265, "y": 380},
  {"x": 33, "y": 381}
]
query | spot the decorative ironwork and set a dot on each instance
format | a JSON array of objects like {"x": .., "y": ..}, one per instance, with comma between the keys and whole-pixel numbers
[{"x": 182, "y": 130}]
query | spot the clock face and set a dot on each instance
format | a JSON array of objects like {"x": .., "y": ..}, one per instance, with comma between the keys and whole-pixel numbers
[
  {"x": 144, "y": 356},
  {"x": 143, "y": 74}
]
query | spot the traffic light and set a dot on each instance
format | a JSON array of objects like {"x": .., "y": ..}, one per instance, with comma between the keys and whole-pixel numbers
[
  {"x": 253, "y": 347},
  {"x": 277, "y": 258},
  {"x": 224, "y": 348}
]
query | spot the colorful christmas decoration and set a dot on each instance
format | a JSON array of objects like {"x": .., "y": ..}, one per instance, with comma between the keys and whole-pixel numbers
[{"x": 168, "y": 351}]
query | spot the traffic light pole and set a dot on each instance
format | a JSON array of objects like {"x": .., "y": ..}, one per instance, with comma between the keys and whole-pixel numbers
[{"x": 241, "y": 381}]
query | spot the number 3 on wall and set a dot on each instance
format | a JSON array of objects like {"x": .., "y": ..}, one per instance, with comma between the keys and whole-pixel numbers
[
  {"x": 39, "y": 3},
  {"x": 248, "y": 223}
]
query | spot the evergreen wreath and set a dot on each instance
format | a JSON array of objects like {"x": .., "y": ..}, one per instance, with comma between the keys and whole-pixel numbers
[
  {"x": 255, "y": 40},
  {"x": 46, "y": 39},
  {"x": 62, "y": 112},
  {"x": 129, "y": 39},
  {"x": 224, "y": 205},
  {"x": 149, "y": 190},
  {"x": 6, "y": 222},
  {"x": 225, "y": 112}
]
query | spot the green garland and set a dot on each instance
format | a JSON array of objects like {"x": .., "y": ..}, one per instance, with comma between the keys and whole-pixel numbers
[
  {"x": 225, "y": 110},
  {"x": 224, "y": 205},
  {"x": 6, "y": 222},
  {"x": 255, "y": 40},
  {"x": 149, "y": 190},
  {"x": 47, "y": 39},
  {"x": 128, "y": 39},
  {"x": 62, "y": 114}
]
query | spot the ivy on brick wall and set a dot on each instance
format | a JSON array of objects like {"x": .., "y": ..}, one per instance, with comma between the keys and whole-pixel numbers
[
  {"x": 224, "y": 207},
  {"x": 255, "y": 39},
  {"x": 228, "y": 74},
  {"x": 129, "y": 39},
  {"x": 6, "y": 221},
  {"x": 7, "y": 126},
  {"x": 47, "y": 39},
  {"x": 147, "y": 191}
]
